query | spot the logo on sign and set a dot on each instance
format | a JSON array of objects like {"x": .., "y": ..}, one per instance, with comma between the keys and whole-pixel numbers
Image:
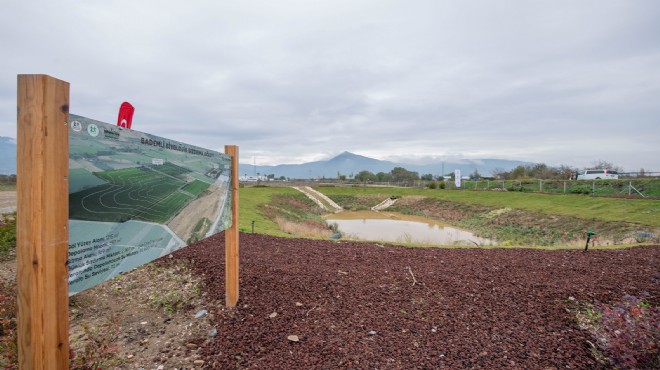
[
  {"x": 93, "y": 130},
  {"x": 76, "y": 126}
]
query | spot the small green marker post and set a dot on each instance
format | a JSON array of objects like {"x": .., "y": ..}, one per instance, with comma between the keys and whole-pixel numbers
[{"x": 589, "y": 235}]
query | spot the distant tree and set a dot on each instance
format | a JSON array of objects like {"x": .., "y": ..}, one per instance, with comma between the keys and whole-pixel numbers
[
  {"x": 499, "y": 173},
  {"x": 8, "y": 179},
  {"x": 537, "y": 171},
  {"x": 427, "y": 177},
  {"x": 383, "y": 177},
  {"x": 605, "y": 165},
  {"x": 365, "y": 176},
  {"x": 566, "y": 172},
  {"x": 519, "y": 172},
  {"x": 641, "y": 173},
  {"x": 400, "y": 174},
  {"x": 475, "y": 175}
]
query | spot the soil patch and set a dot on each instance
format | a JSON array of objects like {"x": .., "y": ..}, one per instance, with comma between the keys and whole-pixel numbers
[{"x": 204, "y": 207}]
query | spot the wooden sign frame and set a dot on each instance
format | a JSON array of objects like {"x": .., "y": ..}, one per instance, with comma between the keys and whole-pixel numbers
[{"x": 42, "y": 223}]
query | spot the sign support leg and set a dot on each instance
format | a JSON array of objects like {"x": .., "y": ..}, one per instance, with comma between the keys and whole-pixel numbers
[
  {"x": 42, "y": 222},
  {"x": 231, "y": 234}
]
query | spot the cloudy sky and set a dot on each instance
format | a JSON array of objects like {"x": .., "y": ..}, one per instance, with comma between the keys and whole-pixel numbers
[{"x": 559, "y": 82}]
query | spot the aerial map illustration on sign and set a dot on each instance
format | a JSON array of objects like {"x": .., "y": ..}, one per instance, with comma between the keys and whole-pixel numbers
[{"x": 134, "y": 197}]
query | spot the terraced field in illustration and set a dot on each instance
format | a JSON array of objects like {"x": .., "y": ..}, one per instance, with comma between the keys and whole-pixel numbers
[{"x": 154, "y": 194}]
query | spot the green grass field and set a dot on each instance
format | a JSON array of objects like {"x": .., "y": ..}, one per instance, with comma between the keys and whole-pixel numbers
[
  {"x": 166, "y": 208},
  {"x": 649, "y": 187},
  {"x": 639, "y": 211},
  {"x": 132, "y": 193},
  {"x": 249, "y": 202},
  {"x": 170, "y": 169},
  {"x": 196, "y": 187}
]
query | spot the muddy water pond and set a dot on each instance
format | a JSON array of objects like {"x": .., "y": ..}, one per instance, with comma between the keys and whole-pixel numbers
[{"x": 399, "y": 228}]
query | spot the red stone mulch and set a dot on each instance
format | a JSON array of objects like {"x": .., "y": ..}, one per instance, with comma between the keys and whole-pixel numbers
[{"x": 367, "y": 306}]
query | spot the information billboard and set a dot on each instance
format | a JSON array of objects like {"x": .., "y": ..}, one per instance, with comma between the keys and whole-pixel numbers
[{"x": 134, "y": 197}]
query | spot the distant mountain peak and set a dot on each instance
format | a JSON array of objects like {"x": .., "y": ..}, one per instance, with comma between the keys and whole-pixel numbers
[
  {"x": 346, "y": 153},
  {"x": 347, "y": 156}
]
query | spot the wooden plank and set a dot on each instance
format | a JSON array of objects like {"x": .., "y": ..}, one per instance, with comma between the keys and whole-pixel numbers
[
  {"x": 42, "y": 222},
  {"x": 231, "y": 234}
]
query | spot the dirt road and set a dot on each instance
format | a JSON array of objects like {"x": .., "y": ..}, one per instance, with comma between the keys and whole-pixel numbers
[{"x": 7, "y": 201}]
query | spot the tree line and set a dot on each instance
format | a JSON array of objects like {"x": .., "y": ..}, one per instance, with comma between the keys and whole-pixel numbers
[
  {"x": 545, "y": 172},
  {"x": 7, "y": 179},
  {"x": 535, "y": 171}
]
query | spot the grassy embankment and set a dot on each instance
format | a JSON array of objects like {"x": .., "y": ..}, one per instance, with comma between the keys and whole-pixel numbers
[
  {"x": 280, "y": 212},
  {"x": 639, "y": 211},
  {"x": 517, "y": 218}
]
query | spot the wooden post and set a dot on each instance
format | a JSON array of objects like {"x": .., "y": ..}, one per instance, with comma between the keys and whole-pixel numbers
[
  {"x": 231, "y": 234},
  {"x": 42, "y": 222}
]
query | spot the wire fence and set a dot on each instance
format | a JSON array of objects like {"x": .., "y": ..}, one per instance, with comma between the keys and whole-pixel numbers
[{"x": 640, "y": 187}]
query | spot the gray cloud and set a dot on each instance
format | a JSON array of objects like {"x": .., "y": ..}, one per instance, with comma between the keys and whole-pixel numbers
[{"x": 290, "y": 81}]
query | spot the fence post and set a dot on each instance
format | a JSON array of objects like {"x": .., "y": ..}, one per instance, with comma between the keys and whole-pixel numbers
[
  {"x": 541, "y": 185},
  {"x": 630, "y": 188},
  {"x": 564, "y": 186},
  {"x": 42, "y": 222},
  {"x": 593, "y": 187}
]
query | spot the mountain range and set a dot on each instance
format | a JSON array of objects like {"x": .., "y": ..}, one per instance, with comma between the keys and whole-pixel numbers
[
  {"x": 345, "y": 164},
  {"x": 7, "y": 156},
  {"x": 348, "y": 163}
]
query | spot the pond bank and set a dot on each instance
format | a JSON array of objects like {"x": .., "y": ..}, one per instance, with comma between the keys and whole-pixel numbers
[{"x": 400, "y": 228}]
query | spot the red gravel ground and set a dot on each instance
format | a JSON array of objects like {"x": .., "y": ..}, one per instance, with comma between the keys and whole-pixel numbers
[{"x": 365, "y": 306}]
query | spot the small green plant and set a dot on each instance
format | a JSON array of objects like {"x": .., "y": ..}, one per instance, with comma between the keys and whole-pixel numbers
[
  {"x": 433, "y": 185},
  {"x": 580, "y": 189},
  {"x": 593, "y": 314},
  {"x": 171, "y": 302},
  {"x": 441, "y": 185},
  {"x": 99, "y": 350}
]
